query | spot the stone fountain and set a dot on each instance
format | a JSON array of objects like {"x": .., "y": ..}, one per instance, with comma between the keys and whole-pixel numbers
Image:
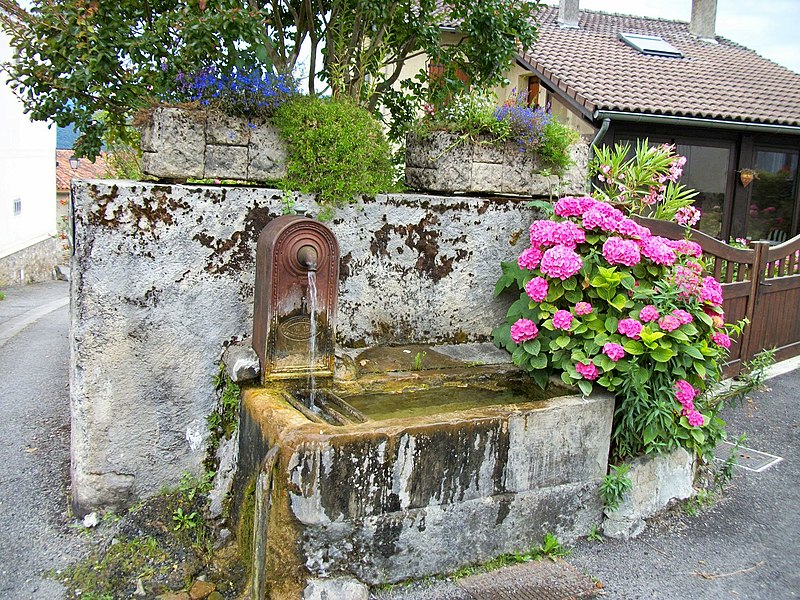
[{"x": 392, "y": 463}]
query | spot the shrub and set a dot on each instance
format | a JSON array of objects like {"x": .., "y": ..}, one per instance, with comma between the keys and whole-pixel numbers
[
  {"x": 532, "y": 129},
  {"x": 336, "y": 150}
]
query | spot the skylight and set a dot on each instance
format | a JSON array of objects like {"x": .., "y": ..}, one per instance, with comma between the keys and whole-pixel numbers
[{"x": 650, "y": 44}]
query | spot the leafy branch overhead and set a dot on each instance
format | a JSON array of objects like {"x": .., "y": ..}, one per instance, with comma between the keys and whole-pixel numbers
[{"x": 92, "y": 64}]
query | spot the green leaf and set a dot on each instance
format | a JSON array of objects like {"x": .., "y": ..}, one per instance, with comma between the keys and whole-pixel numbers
[
  {"x": 538, "y": 362},
  {"x": 693, "y": 352},
  {"x": 633, "y": 347},
  {"x": 662, "y": 354},
  {"x": 573, "y": 296},
  {"x": 648, "y": 337},
  {"x": 619, "y": 302},
  {"x": 532, "y": 346},
  {"x": 569, "y": 284},
  {"x": 563, "y": 341},
  {"x": 585, "y": 386},
  {"x": 611, "y": 324},
  {"x": 700, "y": 368}
]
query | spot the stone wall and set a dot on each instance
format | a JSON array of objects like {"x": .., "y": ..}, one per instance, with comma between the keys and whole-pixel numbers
[
  {"x": 31, "y": 264},
  {"x": 162, "y": 279}
]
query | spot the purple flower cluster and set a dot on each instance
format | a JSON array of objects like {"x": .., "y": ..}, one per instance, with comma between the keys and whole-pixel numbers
[{"x": 527, "y": 123}]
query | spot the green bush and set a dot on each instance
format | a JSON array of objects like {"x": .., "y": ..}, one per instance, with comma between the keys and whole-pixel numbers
[{"x": 336, "y": 150}]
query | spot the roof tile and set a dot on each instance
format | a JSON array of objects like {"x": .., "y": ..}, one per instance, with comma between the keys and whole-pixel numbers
[{"x": 722, "y": 81}]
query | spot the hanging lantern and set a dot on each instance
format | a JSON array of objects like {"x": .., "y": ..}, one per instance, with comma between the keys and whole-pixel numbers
[{"x": 746, "y": 176}]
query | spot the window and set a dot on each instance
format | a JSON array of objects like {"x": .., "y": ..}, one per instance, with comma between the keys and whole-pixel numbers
[
  {"x": 706, "y": 171},
  {"x": 770, "y": 214},
  {"x": 17, "y": 206},
  {"x": 650, "y": 44}
]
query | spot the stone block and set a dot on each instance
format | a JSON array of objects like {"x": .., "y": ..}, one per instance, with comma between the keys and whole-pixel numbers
[
  {"x": 657, "y": 481},
  {"x": 268, "y": 154},
  {"x": 173, "y": 144},
  {"x": 224, "y": 130},
  {"x": 486, "y": 177},
  {"x": 226, "y": 162},
  {"x": 486, "y": 151},
  {"x": 340, "y": 588}
]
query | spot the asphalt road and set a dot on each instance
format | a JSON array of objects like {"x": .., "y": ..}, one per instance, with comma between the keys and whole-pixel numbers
[{"x": 35, "y": 536}]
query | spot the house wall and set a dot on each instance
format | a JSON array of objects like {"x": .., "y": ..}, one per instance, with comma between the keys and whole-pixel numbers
[{"x": 27, "y": 174}]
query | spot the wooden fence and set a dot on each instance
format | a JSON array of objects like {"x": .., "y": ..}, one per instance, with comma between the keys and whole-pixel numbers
[{"x": 761, "y": 283}]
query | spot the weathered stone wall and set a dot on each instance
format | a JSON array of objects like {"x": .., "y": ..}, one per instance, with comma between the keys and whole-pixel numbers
[
  {"x": 31, "y": 264},
  {"x": 163, "y": 278},
  {"x": 444, "y": 163}
]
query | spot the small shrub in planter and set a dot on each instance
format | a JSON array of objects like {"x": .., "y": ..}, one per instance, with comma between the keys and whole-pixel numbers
[{"x": 479, "y": 147}]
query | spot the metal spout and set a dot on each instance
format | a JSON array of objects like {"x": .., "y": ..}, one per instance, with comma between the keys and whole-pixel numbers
[{"x": 307, "y": 257}]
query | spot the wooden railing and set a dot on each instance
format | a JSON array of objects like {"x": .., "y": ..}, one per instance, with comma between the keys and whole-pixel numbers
[{"x": 761, "y": 284}]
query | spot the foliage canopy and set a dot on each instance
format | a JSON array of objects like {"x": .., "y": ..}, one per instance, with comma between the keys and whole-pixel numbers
[{"x": 92, "y": 64}]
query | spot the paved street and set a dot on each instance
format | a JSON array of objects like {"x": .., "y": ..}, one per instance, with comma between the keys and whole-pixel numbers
[
  {"x": 34, "y": 441},
  {"x": 742, "y": 546}
]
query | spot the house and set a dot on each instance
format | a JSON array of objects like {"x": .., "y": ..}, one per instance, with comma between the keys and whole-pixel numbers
[
  {"x": 619, "y": 78},
  {"x": 727, "y": 109},
  {"x": 68, "y": 167},
  {"x": 29, "y": 248}
]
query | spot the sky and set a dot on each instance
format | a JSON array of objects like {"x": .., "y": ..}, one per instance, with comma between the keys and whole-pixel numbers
[{"x": 770, "y": 27}]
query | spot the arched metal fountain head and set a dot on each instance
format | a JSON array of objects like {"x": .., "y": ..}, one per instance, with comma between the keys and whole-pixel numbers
[{"x": 296, "y": 296}]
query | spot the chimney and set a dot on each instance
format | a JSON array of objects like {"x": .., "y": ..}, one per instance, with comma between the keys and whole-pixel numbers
[
  {"x": 568, "y": 13},
  {"x": 704, "y": 19}
]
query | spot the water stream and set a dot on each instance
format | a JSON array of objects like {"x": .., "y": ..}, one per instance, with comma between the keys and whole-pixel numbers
[{"x": 312, "y": 340}]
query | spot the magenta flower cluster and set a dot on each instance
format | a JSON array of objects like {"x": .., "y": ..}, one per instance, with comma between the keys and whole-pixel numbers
[
  {"x": 685, "y": 394},
  {"x": 524, "y": 330}
]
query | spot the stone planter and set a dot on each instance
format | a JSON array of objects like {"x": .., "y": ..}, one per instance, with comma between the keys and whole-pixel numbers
[
  {"x": 180, "y": 144},
  {"x": 442, "y": 162},
  {"x": 657, "y": 481}
]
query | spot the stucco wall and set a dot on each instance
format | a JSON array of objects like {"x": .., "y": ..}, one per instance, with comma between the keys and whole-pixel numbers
[{"x": 163, "y": 278}]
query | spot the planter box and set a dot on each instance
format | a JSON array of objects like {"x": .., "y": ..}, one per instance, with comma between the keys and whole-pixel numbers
[
  {"x": 443, "y": 162},
  {"x": 657, "y": 481},
  {"x": 180, "y": 143}
]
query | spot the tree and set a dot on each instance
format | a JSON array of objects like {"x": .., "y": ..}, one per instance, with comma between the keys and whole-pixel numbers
[{"x": 92, "y": 63}]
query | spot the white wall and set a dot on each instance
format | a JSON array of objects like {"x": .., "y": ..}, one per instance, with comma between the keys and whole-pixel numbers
[{"x": 27, "y": 171}]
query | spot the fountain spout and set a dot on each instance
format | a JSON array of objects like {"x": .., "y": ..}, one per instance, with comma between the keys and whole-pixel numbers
[{"x": 296, "y": 295}]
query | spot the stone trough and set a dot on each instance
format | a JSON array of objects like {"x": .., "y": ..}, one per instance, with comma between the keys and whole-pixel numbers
[{"x": 417, "y": 480}]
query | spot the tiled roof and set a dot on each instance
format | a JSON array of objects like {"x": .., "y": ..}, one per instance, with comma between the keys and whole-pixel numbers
[
  {"x": 85, "y": 170},
  {"x": 716, "y": 81}
]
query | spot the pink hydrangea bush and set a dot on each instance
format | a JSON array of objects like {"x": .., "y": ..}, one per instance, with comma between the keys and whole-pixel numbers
[{"x": 612, "y": 305}]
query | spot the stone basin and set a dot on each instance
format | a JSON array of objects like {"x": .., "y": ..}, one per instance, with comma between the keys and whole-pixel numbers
[{"x": 432, "y": 471}]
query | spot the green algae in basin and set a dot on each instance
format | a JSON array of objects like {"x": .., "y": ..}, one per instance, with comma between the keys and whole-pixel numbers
[{"x": 444, "y": 399}]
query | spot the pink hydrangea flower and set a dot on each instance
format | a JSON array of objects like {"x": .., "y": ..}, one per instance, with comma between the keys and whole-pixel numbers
[
  {"x": 523, "y": 330},
  {"x": 695, "y": 418},
  {"x": 669, "y": 323},
  {"x": 656, "y": 249},
  {"x": 600, "y": 217},
  {"x": 711, "y": 291},
  {"x": 686, "y": 247},
  {"x": 549, "y": 233},
  {"x": 684, "y": 392},
  {"x": 613, "y": 351},
  {"x": 717, "y": 321},
  {"x": 537, "y": 289},
  {"x": 589, "y": 371},
  {"x": 530, "y": 258},
  {"x": 683, "y": 316},
  {"x": 630, "y": 228},
  {"x": 573, "y": 207},
  {"x": 562, "y": 319},
  {"x": 630, "y": 327},
  {"x": 583, "y": 308},
  {"x": 541, "y": 232},
  {"x": 560, "y": 262},
  {"x": 687, "y": 279},
  {"x": 618, "y": 251},
  {"x": 721, "y": 339},
  {"x": 649, "y": 313}
]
